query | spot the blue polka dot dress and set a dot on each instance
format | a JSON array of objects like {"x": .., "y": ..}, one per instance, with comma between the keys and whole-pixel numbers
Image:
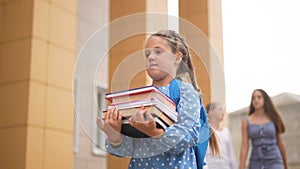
[{"x": 175, "y": 148}]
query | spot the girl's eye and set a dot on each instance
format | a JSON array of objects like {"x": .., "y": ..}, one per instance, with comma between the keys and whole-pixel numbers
[
  {"x": 157, "y": 51},
  {"x": 147, "y": 53}
]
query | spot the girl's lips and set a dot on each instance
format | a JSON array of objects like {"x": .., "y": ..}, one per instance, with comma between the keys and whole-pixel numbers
[{"x": 153, "y": 66}]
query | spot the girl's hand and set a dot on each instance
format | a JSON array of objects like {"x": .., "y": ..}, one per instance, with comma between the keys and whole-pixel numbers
[
  {"x": 113, "y": 118},
  {"x": 112, "y": 125},
  {"x": 144, "y": 121}
]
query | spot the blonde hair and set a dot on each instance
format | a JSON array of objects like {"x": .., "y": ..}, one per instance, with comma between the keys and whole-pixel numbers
[{"x": 213, "y": 141}]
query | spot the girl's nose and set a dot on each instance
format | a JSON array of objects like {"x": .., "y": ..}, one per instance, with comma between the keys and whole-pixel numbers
[{"x": 151, "y": 56}]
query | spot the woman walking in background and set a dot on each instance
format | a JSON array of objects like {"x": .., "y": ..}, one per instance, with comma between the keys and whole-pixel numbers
[
  {"x": 226, "y": 159},
  {"x": 264, "y": 127}
]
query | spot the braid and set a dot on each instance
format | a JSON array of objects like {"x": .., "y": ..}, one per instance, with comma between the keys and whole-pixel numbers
[{"x": 178, "y": 44}]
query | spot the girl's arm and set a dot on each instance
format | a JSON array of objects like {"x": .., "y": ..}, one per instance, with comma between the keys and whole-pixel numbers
[
  {"x": 181, "y": 135},
  {"x": 176, "y": 138},
  {"x": 232, "y": 162},
  {"x": 244, "y": 145},
  {"x": 185, "y": 133},
  {"x": 111, "y": 126},
  {"x": 282, "y": 149}
]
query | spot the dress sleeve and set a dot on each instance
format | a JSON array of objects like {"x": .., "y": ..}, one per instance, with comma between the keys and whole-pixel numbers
[
  {"x": 184, "y": 134},
  {"x": 176, "y": 139},
  {"x": 125, "y": 149}
]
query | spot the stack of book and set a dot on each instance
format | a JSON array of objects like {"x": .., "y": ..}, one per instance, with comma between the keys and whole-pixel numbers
[{"x": 128, "y": 102}]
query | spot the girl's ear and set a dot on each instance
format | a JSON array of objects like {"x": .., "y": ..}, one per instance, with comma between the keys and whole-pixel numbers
[{"x": 178, "y": 57}]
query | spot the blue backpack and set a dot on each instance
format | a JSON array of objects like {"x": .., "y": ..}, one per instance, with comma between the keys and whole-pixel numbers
[{"x": 200, "y": 148}]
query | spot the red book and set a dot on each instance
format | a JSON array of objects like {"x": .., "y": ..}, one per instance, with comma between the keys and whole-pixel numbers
[
  {"x": 139, "y": 94},
  {"x": 156, "y": 102},
  {"x": 153, "y": 102}
]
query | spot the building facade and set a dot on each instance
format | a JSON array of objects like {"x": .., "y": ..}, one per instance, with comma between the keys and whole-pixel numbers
[
  {"x": 38, "y": 54},
  {"x": 48, "y": 109}
]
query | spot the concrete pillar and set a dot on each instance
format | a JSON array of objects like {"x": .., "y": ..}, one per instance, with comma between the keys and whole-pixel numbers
[
  {"x": 37, "y": 46},
  {"x": 119, "y": 52},
  {"x": 207, "y": 17}
]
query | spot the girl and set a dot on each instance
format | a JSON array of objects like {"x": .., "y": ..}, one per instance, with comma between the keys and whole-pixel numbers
[
  {"x": 227, "y": 159},
  {"x": 166, "y": 56},
  {"x": 264, "y": 127}
]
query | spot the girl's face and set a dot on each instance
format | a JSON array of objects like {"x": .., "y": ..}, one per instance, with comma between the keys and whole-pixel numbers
[
  {"x": 217, "y": 113},
  {"x": 160, "y": 61},
  {"x": 257, "y": 100}
]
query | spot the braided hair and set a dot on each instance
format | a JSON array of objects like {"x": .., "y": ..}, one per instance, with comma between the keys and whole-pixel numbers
[{"x": 185, "y": 70}]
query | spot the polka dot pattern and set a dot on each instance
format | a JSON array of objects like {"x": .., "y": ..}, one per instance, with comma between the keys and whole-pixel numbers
[{"x": 175, "y": 148}]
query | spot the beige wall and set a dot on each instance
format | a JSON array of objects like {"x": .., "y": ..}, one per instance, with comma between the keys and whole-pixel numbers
[
  {"x": 92, "y": 17},
  {"x": 119, "y": 8},
  {"x": 37, "y": 45},
  {"x": 209, "y": 67},
  {"x": 206, "y": 16},
  {"x": 196, "y": 12}
]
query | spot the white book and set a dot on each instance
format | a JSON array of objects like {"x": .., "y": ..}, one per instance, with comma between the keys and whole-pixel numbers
[{"x": 172, "y": 114}]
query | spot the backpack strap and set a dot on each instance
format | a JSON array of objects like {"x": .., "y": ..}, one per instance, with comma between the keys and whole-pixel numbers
[
  {"x": 200, "y": 148},
  {"x": 174, "y": 91}
]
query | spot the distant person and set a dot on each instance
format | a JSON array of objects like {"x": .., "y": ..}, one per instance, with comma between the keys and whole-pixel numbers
[
  {"x": 226, "y": 159},
  {"x": 264, "y": 127}
]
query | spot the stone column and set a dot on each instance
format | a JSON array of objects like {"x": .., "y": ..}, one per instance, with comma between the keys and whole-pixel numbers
[
  {"x": 37, "y": 46},
  {"x": 120, "y": 49},
  {"x": 206, "y": 16}
]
